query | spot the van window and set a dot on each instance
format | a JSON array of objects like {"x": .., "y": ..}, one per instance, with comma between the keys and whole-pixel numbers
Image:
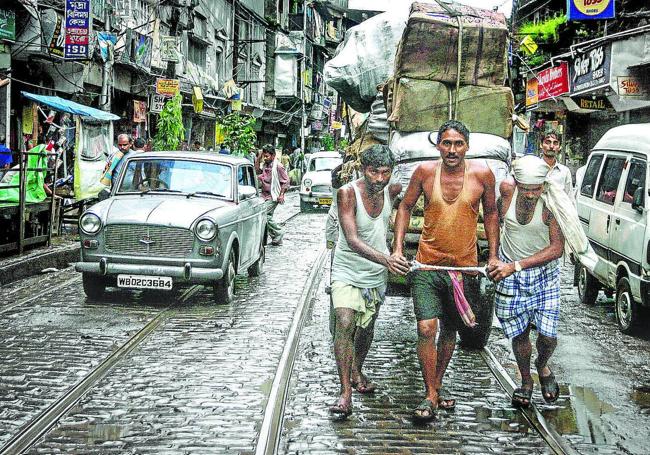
[
  {"x": 591, "y": 173},
  {"x": 635, "y": 179},
  {"x": 608, "y": 184}
]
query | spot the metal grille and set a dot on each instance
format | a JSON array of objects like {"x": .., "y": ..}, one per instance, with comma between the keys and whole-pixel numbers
[
  {"x": 321, "y": 189},
  {"x": 137, "y": 240}
]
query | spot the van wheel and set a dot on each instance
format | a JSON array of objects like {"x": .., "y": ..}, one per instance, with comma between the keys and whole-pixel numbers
[
  {"x": 224, "y": 289},
  {"x": 627, "y": 310},
  {"x": 483, "y": 308},
  {"x": 588, "y": 286},
  {"x": 94, "y": 285}
]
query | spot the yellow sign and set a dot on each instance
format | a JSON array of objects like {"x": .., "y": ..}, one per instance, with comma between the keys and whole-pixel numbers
[
  {"x": 337, "y": 125},
  {"x": 219, "y": 134},
  {"x": 197, "y": 99},
  {"x": 532, "y": 92},
  {"x": 528, "y": 45},
  {"x": 591, "y": 7},
  {"x": 168, "y": 87}
]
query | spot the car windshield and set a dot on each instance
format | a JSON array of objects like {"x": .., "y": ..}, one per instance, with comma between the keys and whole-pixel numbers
[
  {"x": 324, "y": 163},
  {"x": 150, "y": 175}
]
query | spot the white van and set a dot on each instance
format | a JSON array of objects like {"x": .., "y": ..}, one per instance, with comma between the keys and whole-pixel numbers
[{"x": 612, "y": 204}]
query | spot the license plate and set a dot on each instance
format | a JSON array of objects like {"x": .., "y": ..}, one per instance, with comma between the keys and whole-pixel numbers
[
  {"x": 325, "y": 200},
  {"x": 144, "y": 282}
]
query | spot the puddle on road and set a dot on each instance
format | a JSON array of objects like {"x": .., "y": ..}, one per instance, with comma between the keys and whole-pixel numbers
[{"x": 581, "y": 415}]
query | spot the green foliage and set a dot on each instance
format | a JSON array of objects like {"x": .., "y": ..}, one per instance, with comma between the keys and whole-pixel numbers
[
  {"x": 239, "y": 133},
  {"x": 536, "y": 60},
  {"x": 327, "y": 142},
  {"x": 170, "y": 131},
  {"x": 343, "y": 143},
  {"x": 546, "y": 30}
]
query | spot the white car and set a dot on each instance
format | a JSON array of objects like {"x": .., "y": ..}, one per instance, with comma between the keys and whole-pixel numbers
[{"x": 316, "y": 184}]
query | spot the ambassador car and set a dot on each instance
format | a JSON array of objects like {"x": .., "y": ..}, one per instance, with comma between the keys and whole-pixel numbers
[
  {"x": 173, "y": 219},
  {"x": 316, "y": 186}
]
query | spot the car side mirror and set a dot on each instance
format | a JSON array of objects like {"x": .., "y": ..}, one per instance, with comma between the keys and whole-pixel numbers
[
  {"x": 247, "y": 192},
  {"x": 638, "y": 200},
  {"x": 104, "y": 194}
]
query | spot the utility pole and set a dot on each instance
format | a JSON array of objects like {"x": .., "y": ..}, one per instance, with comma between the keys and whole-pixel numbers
[
  {"x": 303, "y": 68},
  {"x": 105, "y": 103},
  {"x": 174, "y": 19}
]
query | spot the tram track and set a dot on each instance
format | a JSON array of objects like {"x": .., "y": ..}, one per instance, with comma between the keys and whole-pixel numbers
[{"x": 9, "y": 307}]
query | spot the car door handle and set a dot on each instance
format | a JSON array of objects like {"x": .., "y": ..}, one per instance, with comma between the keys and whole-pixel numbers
[{"x": 608, "y": 220}]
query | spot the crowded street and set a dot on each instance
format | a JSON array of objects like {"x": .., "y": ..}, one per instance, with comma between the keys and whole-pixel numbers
[{"x": 200, "y": 381}]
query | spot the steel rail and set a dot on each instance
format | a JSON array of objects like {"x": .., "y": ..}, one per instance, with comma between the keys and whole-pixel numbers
[
  {"x": 38, "y": 426},
  {"x": 271, "y": 429},
  {"x": 11, "y": 306},
  {"x": 532, "y": 414}
]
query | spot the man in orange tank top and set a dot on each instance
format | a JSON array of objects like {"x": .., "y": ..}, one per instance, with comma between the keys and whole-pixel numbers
[{"x": 453, "y": 189}]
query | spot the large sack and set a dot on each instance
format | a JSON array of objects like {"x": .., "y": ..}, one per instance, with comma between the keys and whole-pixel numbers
[
  {"x": 429, "y": 46},
  {"x": 378, "y": 120},
  {"x": 365, "y": 59},
  {"x": 421, "y": 105}
]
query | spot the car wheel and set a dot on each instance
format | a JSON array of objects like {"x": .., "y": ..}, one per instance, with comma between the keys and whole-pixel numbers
[
  {"x": 258, "y": 267},
  {"x": 627, "y": 310},
  {"x": 588, "y": 286},
  {"x": 305, "y": 206},
  {"x": 483, "y": 308},
  {"x": 224, "y": 289},
  {"x": 94, "y": 285}
]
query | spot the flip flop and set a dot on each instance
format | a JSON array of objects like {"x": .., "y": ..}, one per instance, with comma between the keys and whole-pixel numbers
[
  {"x": 341, "y": 410},
  {"x": 519, "y": 395},
  {"x": 364, "y": 387},
  {"x": 425, "y": 405},
  {"x": 446, "y": 404},
  {"x": 549, "y": 386}
]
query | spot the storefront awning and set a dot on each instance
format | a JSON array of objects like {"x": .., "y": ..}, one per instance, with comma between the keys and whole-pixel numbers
[{"x": 71, "y": 107}]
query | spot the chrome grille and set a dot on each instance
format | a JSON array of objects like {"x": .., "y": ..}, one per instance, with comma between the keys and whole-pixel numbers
[
  {"x": 137, "y": 240},
  {"x": 321, "y": 189}
]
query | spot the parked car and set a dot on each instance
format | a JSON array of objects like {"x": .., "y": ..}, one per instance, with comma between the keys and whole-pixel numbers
[
  {"x": 612, "y": 204},
  {"x": 316, "y": 185},
  {"x": 175, "y": 218}
]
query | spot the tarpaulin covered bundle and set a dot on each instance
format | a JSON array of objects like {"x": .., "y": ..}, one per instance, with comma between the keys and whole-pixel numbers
[
  {"x": 365, "y": 59},
  {"x": 378, "y": 120},
  {"x": 34, "y": 180}
]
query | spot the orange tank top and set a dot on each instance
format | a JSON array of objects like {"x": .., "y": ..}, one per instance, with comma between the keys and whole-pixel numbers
[{"x": 449, "y": 233}]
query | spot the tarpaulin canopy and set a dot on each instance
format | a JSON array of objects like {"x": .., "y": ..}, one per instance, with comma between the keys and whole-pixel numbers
[{"x": 71, "y": 107}]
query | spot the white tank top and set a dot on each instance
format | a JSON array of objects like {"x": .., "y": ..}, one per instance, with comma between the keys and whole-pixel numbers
[
  {"x": 520, "y": 241},
  {"x": 348, "y": 266}
]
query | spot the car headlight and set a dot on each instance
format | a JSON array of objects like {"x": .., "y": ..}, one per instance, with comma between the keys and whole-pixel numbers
[
  {"x": 307, "y": 183},
  {"x": 90, "y": 223},
  {"x": 205, "y": 230}
]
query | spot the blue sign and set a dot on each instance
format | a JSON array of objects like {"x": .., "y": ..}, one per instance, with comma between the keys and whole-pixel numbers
[
  {"x": 78, "y": 25},
  {"x": 580, "y": 10}
]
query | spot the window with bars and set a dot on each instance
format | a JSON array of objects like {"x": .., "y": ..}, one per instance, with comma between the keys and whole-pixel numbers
[{"x": 196, "y": 53}]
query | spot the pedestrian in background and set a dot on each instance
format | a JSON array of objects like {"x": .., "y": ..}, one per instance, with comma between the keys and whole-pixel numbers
[
  {"x": 5, "y": 156},
  {"x": 359, "y": 277},
  {"x": 528, "y": 274},
  {"x": 550, "y": 144},
  {"x": 453, "y": 188},
  {"x": 274, "y": 181},
  {"x": 124, "y": 144}
]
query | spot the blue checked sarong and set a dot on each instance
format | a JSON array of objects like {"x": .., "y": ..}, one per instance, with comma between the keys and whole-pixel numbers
[{"x": 532, "y": 295}]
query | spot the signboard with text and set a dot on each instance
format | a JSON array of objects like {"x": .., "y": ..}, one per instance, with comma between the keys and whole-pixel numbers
[
  {"x": 580, "y": 10},
  {"x": 595, "y": 103},
  {"x": 532, "y": 92},
  {"x": 169, "y": 49},
  {"x": 78, "y": 25},
  {"x": 157, "y": 102},
  {"x": 630, "y": 86},
  {"x": 553, "y": 82},
  {"x": 167, "y": 87},
  {"x": 7, "y": 24},
  {"x": 590, "y": 70}
]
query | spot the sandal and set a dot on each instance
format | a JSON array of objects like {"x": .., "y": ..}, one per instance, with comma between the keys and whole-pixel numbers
[
  {"x": 550, "y": 387},
  {"x": 425, "y": 406},
  {"x": 341, "y": 410},
  {"x": 364, "y": 387},
  {"x": 448, "y": 404},
  {"x": 521, "y": 397}
]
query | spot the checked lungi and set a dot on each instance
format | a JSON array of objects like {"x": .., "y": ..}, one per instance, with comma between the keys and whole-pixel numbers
[{"x": 532, "y": 295}]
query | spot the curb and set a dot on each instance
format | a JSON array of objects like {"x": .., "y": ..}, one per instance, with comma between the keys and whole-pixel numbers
[{"x": 32, "y": 265}]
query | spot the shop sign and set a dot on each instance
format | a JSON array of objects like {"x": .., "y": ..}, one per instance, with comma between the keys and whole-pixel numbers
[
  {"x": 630, "y": 86},
  {"x": 528, "y": 45},
  {"x": 7, "y": 25},
  {"x": 137, "y": 50},
  {"x": 553, "y": 82},
  {"x": 591, "y": 69},
  {"x": 532, "y": 92},
  {"x": 197, "y": 99},
  {"x": 53, "y": 32},
  {"x": 317, "y": 125},
  {"x": 78, "y": 24},
  {"x": 157, "y": 102},
  {"x": 169, "y": 49},
  {"x": 168, "y": 87},
  {"x": 595, "y": 103},
  {"x": 580, "y": 10},
  {"x": 337, "y": 125},
  {"x": 139, "y": 111}
]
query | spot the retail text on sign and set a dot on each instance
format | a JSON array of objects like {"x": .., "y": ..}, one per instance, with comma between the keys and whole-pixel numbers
[
  {"x": 590, "y": 9},
  {"x": 168, "y": 87},
  {"x": 78, "y": 24}
]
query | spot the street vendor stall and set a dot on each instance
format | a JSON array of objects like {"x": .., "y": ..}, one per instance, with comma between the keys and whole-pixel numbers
[{"x": 28, "y": 205}]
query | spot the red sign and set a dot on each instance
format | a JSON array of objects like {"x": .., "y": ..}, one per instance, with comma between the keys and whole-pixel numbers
[{"x": 553, "y": 82}]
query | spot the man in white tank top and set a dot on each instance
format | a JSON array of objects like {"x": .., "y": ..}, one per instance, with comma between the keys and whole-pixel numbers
[
  {"x": 528, "y": 275},
  {"x": 359, "y": 269}
]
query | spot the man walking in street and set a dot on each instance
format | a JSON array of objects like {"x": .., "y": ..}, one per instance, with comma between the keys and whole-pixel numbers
[
  {"x": 453, "y": 188},
  {"x": 359, "y": 268},
  {"x": 274, "y": 182},
  {"x": 528, "y": 274},
  {"x": 550, "y": 145},
  {"x": 123, "y": 146}
]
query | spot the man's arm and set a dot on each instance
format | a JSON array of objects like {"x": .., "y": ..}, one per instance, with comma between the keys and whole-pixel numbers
[
  {"x": 490, "y": 214},
  {"x": 403, "y": 217},
  {"x": 346, "y": 201},
  {"x": 284, "y": 182}
]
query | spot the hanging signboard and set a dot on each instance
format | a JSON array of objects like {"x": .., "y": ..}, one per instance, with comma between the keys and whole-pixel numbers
[
  {"x": 139, "y": 111},
  {"x": 53, "y": 32},
  {"x": 532, "y": 92},
  {"x": 169, "y": 49},
  {"x": 595, "y": 103},
  {"x": 553, "y": 81},
  {"x": 78, "y": 25},
  {"x": 157, "y": 102},
  {"x": 590, "y": 70},
  {"x": 167, "y": 87},
  {"x": 7, "y": 24},
  {"x": 580, "y": 10}
]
